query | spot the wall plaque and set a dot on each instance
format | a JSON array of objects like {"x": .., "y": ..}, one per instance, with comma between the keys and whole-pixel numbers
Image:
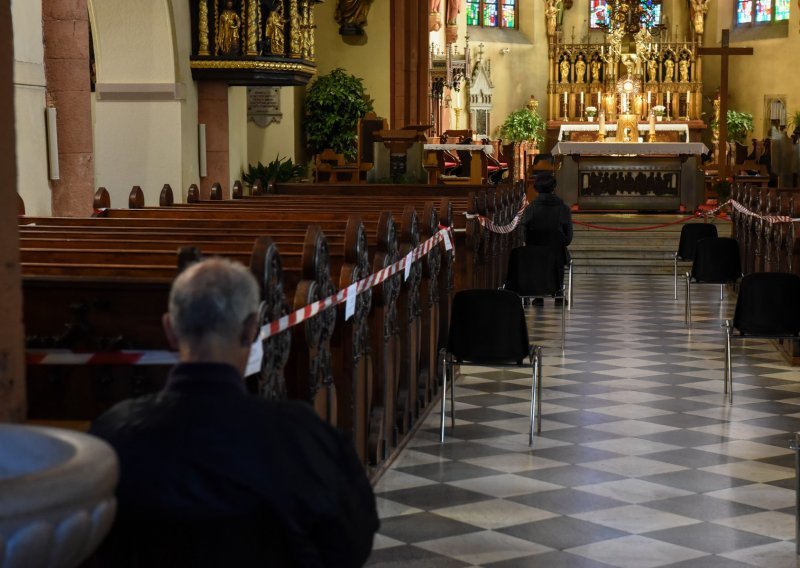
[{"x": 264, "y": 105}]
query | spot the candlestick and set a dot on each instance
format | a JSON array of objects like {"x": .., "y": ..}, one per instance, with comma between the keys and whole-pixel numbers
[
  {"x": 601, "y": 128},
  {"x": 669, "y": 104},
  {"x": 651, "y": 136}
]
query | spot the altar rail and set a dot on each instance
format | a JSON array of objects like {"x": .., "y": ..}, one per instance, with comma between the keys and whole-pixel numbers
[{"x": 766, "y": 243}]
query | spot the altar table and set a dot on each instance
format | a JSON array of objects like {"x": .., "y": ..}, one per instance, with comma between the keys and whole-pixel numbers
[{"x": 656, "y": 176}]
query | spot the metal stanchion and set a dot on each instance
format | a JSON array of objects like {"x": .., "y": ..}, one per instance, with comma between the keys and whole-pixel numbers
[{"x": 794, "y": 444}]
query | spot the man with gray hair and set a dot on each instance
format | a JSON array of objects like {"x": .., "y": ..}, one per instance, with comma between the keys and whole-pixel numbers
[{"x": 213, "y": 476}]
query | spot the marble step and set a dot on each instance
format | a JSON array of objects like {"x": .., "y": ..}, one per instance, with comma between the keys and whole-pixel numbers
[
  {"x": 599, "y": 251},
  {"x": 627, "y": 266}
]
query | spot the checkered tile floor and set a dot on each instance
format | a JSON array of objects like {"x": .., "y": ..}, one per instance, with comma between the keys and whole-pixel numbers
[{"x": 640, "y": 463}]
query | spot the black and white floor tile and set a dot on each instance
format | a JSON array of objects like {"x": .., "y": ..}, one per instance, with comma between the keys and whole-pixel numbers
[{"x": 641, "y": 461}]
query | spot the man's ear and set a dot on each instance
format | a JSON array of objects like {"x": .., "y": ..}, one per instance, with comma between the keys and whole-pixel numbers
[
  {"x": 249, "y": 330},
  {"x": 169, "y": 331}
]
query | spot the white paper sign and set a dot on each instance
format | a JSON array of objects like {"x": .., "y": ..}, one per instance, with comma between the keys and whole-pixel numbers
[
  {"x": 256, "y": 356},
  {"x": 350, "y": 303},
  {"x": 409, "y": 260},
  {"x": 447, "y": 244}
]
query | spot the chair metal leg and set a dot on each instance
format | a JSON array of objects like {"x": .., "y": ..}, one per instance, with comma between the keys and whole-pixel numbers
[
  {"x": 563, "y": 323},
  {"x": 687, "y": 312},
  {"x": 452, "y": 394},
  {"x": 539, "y": 385},
  {"x": 675, "y": 273},
  {"x": 536, "y": 393},
  {"x": 444, "y": 394},
  {"x": 728, "y": 367},
  {"x": 721, "y": 291},
  {"x": 569, "y": 294}
]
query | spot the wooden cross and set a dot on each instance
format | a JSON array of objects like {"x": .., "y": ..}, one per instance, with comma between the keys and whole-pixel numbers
[{"x": 724, "y": 51}]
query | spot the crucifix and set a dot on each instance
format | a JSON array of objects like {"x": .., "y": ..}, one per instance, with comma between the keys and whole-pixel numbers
[{"x": 724, "y": 51}]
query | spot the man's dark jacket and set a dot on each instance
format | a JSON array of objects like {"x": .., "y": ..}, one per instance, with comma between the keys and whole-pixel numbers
[{"x": 213, "y": 476}]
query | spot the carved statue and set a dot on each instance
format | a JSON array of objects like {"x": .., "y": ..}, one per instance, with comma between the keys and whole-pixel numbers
[
  {"x": 564, "y": 65},
  {"x": 595, "y": 70},
  {"x": 669, "y": 70},
  {"x": 227, "y": 37},
  {"x": 352, "y": 16},
  {"x": 580, "y": 69},
  {"x": 435, "y": 16},
  {"x": 551, "y": 12},
  {"x": 453, "y": 9},
  {"x": 652, "y": 70},
  {"x": 683, "y": 70},
  {"x": 699, "y": 9},
  {"x": 274, "y": 33}
]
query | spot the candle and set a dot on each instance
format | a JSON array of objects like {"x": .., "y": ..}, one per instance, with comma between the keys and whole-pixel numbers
[
  {"x": 566, "y": 106},
  {"x": 669, "y": 103}
]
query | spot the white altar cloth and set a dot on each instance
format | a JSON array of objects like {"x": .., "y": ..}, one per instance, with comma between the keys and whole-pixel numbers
[
  {"x": 612, "y": 127},
  {"x": 629, "y": 148}
]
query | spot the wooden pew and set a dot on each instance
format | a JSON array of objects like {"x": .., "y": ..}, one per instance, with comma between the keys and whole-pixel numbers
[{"x": 379, "y": 443}]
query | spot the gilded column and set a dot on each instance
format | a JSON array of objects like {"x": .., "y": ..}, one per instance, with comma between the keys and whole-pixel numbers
[
  {"x": 202, "y": 28},
  {"x": 252, "y": 27},
  {"x": 311, "y": 33},
  {"x": 296, "y": 31}
]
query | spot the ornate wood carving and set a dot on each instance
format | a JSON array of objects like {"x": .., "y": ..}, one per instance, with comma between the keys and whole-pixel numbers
[{"x": 246, "y": 41}]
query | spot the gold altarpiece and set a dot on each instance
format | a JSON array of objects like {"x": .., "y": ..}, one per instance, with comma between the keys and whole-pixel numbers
[
  {"x": 253, "y": 41},
  {"x": 586, "y": 74},
  {"x": 667, "y": 71},
  {"x": 631, "y": 72}
]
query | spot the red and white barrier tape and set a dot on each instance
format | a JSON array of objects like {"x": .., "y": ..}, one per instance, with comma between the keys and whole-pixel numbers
[
  {"x": 768, "y": 218},
  {"x": 490, "y": 225},
  {"x": 65, "y": 357}
]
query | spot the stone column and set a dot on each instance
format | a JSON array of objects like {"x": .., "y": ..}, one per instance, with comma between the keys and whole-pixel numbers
[
  {"x": 212, "y": 110},
  {"x": 66, "y": 59},
  {"x": 12, "y": 346}
]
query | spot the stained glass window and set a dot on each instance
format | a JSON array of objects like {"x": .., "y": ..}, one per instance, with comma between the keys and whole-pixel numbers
[
  {"x": 761, "y": 11},
  {"x": 598, "y": 16},
  {"x": 492, "y": 13},
  {"x": 598, "y": 12},
  {"x": 781, "y": 10},
  {"x": 509, "y": 14},
  {"x": 473, "y": 12},
  {"x": 744, "y": 12}
]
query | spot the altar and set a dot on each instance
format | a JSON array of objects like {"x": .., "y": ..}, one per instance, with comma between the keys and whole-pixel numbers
[{"x": 652, "y": 176}]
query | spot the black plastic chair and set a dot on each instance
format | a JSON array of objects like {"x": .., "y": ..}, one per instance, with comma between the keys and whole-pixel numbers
[
  {"x": 690, "y": 234},
  {"x": 716, "y": 261},
  {"x": 553, "y": 237},
  {"x": 488, "y": 326},
  {"x": 537, "y": 271},
  {"x": 768, "y": 307}
]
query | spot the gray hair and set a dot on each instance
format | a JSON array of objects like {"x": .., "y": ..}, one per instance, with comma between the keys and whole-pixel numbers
[{"x": 212, "y": 298}]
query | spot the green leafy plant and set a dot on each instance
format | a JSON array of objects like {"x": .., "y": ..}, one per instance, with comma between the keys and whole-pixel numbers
[
  {"x": 334, "y": 103},
  {"x": 279, "y": 170},
  {"x": 740, "y": 124},
  {"x": 794, "y": 120},
  {"x": 523, "y": 125}
]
